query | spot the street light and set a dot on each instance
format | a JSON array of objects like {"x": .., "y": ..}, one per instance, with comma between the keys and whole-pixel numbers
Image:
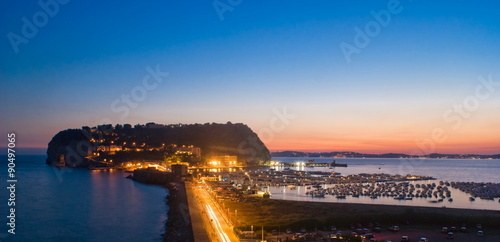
[{"x": 262, "y": 233}]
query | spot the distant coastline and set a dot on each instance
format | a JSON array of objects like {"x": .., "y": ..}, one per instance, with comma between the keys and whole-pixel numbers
[{"x": 347, "y": 154}]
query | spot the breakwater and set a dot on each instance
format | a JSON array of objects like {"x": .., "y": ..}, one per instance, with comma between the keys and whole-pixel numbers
[
  {"x": 154, "y": 177},
  {"x": 178, "y": 224}
]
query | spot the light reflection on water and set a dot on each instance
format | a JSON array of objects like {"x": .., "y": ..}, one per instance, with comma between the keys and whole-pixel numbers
[{"x": 85, "y": 205}]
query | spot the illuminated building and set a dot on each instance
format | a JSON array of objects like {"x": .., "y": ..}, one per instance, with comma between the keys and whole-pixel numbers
[
  {"x": 189, "y": 150},
  {"x": 223, "y": 161}
]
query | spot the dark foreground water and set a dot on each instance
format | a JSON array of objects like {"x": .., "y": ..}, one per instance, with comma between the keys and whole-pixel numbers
[{"x": 80, "y": 205}]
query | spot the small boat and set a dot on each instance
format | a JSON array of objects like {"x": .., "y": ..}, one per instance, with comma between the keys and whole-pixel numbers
[
  {"x": 318, "y": 194},
  {"x": 472, "y": 199}
]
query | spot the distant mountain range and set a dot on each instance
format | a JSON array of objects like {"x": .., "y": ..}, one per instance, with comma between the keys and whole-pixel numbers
[{"x": 345, "y": 154}]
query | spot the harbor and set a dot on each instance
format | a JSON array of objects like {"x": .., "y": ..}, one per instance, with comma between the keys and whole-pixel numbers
[
  {"x": 264, "y": 202},
  {"x": 286, "y": 182}
]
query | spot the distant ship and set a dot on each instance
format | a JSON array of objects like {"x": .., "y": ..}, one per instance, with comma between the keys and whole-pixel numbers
[{"x": 334, "y": 164}]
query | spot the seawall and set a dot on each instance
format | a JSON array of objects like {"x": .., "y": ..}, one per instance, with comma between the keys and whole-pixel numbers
[{"x": 178, "y": 226}]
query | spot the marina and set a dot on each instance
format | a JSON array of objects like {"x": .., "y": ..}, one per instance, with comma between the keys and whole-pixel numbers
[
  {"x": 322, "y": 184},
  {"x": 458, "y": 199}
]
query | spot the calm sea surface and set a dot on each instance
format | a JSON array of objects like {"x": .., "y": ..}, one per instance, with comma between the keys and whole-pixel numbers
[
  {"x": 81, "y": 205},
  {"x": 441, "y": 169}
]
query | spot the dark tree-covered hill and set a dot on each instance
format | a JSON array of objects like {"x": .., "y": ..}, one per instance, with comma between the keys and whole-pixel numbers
[{"x": 73, "y": 146}]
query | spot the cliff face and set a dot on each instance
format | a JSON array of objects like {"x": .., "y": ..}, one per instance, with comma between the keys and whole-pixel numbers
[{"x": 70, "y": 147}]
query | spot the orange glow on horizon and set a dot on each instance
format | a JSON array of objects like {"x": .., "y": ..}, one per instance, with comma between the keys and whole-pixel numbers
[{"x": 460, "y": 143}]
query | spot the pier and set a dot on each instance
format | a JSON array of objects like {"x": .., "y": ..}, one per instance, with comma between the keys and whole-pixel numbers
[{"x": 310, "y": 163}]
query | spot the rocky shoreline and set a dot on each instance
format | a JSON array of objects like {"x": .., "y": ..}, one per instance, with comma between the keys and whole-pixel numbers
[{"x": 178, "y": 224}]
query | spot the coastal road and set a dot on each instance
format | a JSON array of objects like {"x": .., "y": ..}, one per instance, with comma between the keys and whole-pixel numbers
[
  {"x": 215, "y": 222},
  {"x": 196, "y": 213}
]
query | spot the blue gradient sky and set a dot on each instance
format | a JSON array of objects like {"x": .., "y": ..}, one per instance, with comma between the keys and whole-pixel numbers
[{"x": 262, "y": 56}]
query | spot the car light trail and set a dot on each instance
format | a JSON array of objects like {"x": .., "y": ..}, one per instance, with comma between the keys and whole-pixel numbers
[{"x": 214, "y": 218}]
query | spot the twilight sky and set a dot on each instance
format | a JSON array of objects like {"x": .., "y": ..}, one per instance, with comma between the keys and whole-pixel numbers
[{"x": 384, "y": 76}]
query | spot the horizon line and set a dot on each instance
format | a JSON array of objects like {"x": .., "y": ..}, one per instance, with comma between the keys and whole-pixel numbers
[
  {"x": 382, "y": 153},
  {"x": 39, "y": 150}
]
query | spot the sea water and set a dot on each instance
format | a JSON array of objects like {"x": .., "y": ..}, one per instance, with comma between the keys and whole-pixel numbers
[{"x": 70, "y": 204}]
